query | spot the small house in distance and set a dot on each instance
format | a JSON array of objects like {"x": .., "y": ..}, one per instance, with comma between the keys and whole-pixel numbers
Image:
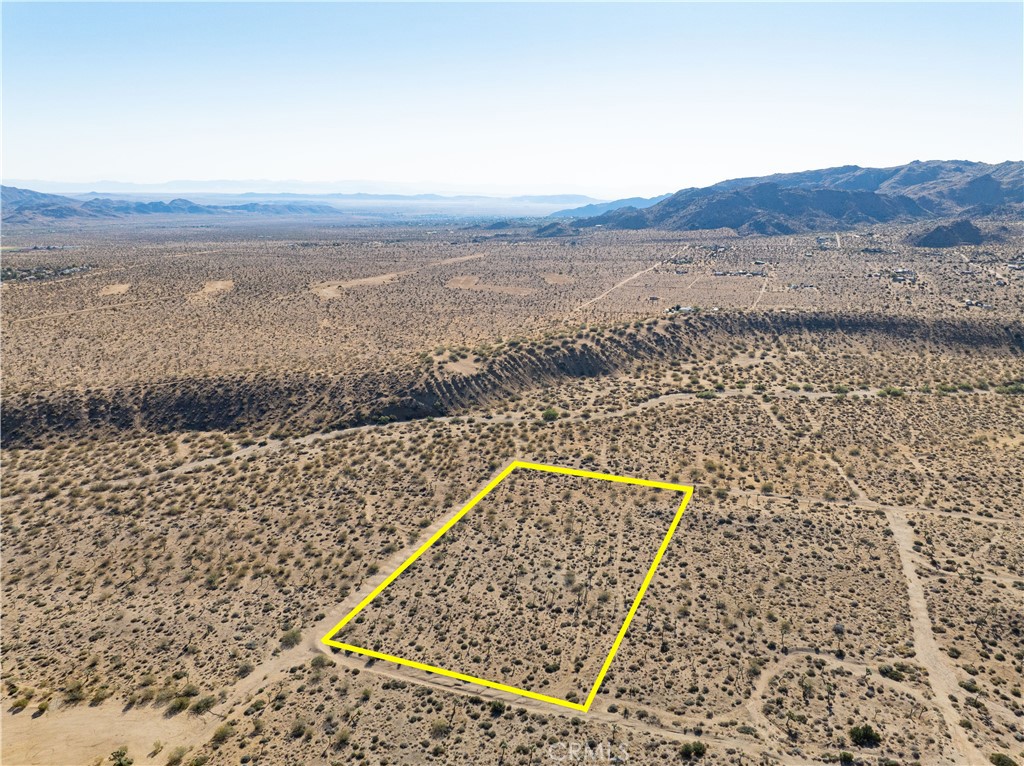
[{"x": 677, "y": 309}]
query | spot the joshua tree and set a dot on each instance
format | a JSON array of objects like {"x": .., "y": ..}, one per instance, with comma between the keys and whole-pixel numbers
[{"x": 784, "y": 628}]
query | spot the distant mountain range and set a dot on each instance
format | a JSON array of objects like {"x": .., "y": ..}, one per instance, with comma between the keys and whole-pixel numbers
[
  {"x": 26, "y": 206},
  {"x": 267, "y": 187},
  {"x": 785, "y": 203},
  {"x": 605, "y": 207},
  {"x": 833, "y": 198}
]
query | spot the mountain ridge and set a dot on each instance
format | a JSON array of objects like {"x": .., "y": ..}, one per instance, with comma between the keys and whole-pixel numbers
[
  {"x": 832, "y": 198},
  {"x": 597, "y": 208},
  {"x": 25, "y": 206}
]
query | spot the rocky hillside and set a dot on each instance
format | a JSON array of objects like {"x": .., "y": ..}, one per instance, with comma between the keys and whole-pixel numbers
[
  {"x": 957, "y": 233},
  {"x": 833, "y": 198},
  {"x": 938, "y": 185},
  {"x": 598, "y": 208},
  {"x": 766, "y": 209}
]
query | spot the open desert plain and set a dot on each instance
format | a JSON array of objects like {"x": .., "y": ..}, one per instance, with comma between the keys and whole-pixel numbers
[{"x": 220, "y": 440}]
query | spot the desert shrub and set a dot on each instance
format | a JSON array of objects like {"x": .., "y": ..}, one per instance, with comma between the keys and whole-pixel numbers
[
  {"x": 549, "y": 414},
  {"x": 888, "y": 671},
  {"x": 865, "y": 736},
  {"x": 203, "y": 704},
  {"x": 120, "y": 757},
  {"x": 440, "y": 728},
  {"x": 342, "y": 738},
  {"x": 223, "y": 733},
  {"x": 998, "y": 759},
  {"x": 691, "y": 750},
  {"x": 178, "y": 705},
  {"x": 291, "y": 638},
  {"x": 176, "y": 756}
]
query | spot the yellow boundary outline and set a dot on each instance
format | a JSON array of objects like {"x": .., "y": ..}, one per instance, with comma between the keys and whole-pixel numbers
[{"x": 687, "y": 494}]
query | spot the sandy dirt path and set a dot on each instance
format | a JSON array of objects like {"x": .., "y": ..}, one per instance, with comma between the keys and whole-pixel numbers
[
  {"x": 334, "y": 288},
  {"x": 754, "y": 703},
  {"x": 760, "y": 295},
  {"x": 926, "y": 650},
  {"x": 616, "y": 286}
]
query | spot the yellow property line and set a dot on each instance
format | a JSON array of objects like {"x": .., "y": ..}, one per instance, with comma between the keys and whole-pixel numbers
[{"x": 687, "y": 494}]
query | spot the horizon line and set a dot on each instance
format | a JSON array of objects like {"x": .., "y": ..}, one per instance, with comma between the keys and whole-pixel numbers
[{"x": 445, "y": 189}]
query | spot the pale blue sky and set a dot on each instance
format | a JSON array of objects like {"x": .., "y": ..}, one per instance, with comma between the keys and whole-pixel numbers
[{"x": 605, "y": 99}]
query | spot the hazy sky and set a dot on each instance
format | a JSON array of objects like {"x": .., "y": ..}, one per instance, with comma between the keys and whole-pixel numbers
[{"x": 610, "y": 100}]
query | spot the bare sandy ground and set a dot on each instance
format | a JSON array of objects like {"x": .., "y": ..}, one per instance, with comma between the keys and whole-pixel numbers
[
  {"x": 212, "y": 290},
  {"x": 464, "y": 366},
  {"x": 556, "y": 279},
  {"x": 219, "y": 286},
  {"x": 330, "y": 290},
  {"x": 84, "y": 734},
  {"x": 118, "y": 289}
]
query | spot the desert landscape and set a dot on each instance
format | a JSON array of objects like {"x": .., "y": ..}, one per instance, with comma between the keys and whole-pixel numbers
[
  {"x": 217, "y": 443},
  {"x": 512, "y": 384}
]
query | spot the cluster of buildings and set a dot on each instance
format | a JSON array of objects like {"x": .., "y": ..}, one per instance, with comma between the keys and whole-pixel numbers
[
  {"x": 905, "y": 276},
  {"x": 760, "y": 273},
  {"x": 977, "y": 304}
]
